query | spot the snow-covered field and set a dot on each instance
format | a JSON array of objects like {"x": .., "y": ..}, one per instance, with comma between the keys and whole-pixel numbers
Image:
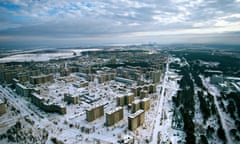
[{"x": 28, "y": 57}]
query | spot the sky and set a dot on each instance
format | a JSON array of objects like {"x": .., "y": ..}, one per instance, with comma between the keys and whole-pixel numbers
[{"x": 62, "y": 23}]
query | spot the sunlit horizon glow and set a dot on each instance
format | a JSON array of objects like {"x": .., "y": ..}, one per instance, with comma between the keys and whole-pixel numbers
[{"x": 75, "y": 23}]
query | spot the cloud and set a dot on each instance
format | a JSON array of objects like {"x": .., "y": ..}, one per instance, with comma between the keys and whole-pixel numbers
[{"x": 100, "y": 21}]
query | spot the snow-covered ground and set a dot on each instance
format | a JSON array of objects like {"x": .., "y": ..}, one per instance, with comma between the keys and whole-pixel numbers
[
  {"x": 44, "y": 56},
  {"x": 73, "y": 127},
  {"x": 216, "y": 93},
  {"x": 162, "y": 129}
]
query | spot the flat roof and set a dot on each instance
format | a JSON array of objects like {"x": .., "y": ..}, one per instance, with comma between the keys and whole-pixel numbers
[
  {"x": 37, "y": 96},
  {"x": 145, "y": 99},
  {"x": 136, "y": 114},
  {"x": 39, "y": 76},
  {"x": 95, "y": 106},
  {"x": 130, "y": 94},
  {"x": 22, "y": 86},
  {"x": 136, "y": 101},
  {"x": 114, "y": 110}
]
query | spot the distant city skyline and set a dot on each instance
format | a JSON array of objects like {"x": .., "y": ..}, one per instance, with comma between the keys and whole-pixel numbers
[{"x": 61, "y": 23}]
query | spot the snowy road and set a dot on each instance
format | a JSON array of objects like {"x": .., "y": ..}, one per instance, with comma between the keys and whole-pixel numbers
[
  {"x": 20, "y": 105},
  {"x": 160, "y": 108}
]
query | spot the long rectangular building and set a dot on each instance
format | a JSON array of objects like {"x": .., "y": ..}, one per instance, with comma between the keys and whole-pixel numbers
[
  {"x": 23, "y": 90},
  {"x": 48, "y": 107},
  {"x": 41, "y": 79}
]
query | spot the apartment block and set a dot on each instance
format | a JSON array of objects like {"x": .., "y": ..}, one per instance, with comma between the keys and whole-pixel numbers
[
  {"x": 135, "y": 106},
  {"x": 125, "y": 99},
  {"x": 94, "y": 112},
  {"x": 129, "y": 98},
  {"x": 121, "y": 100},
  {"x": 2, "y": 108},
  {"x": 71, "y": 98},
  {"x": 143, "y": 94},
  {"x": 41, "y": 79},
  {"x": 114, "y": 116},
  {"x": 48, "y": 107},
  {"x": 145, "y": 104},
  {"x": 135, "y": 120},
  {"x": 23, "y": 90},
  {"x": 152, "y": 88}
]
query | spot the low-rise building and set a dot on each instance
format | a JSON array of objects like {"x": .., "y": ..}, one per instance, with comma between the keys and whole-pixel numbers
[
  {"x": 48, "y": 107},
  {"x": 71, "y": 98}
]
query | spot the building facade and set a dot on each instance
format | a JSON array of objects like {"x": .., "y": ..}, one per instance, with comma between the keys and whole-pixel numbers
[
  {"x": 135, "y": 120},
  {"x": 114, "y": 116},
  {"x": 2, "y": 108},
  {"x": 94, "y": 112}
]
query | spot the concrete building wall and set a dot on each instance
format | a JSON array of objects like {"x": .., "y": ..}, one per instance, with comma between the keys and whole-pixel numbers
[
  {"x": 120, "y": 101},
  {"x": 129, "y": 98},
  {"x": 2, "y": 108},
  {"x": 135, "y": 120},
  {"x": 135, "y": 106},
  {"x": 94, "y": 113},
  {"x": 143, "y": 94},
  {"x": 113, "y": 117},
  {"x": 40, "y": 102},
  {"x": 145, "y": 104},
  {"x": 152, "y": 88},
  {"x": 41, "y": 79},
  {"x": 71, "y": 99},
  {"x": 22, "y": 90}
]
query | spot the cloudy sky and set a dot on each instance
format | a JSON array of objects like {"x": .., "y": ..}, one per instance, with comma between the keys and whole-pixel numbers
[{"x": 60, "y": 23}]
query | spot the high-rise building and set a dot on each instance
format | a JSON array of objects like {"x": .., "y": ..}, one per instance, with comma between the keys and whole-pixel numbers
[
  {"x": 135, "y": 120},
  {"x": 94, "y": 112},
  {"x": 129, "y": 98},
  {"x": 121, "y": 100},
  {"x": 145, "y": 104},
  {"x": 114, "y": 116},
  {"x": 152, "y": 88},
  {"x": 2, "y": 107},
  {"x": 135, "y": 106},
  {"x": 125, "y": 99},
  {"x": 143, "y": 94}
]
